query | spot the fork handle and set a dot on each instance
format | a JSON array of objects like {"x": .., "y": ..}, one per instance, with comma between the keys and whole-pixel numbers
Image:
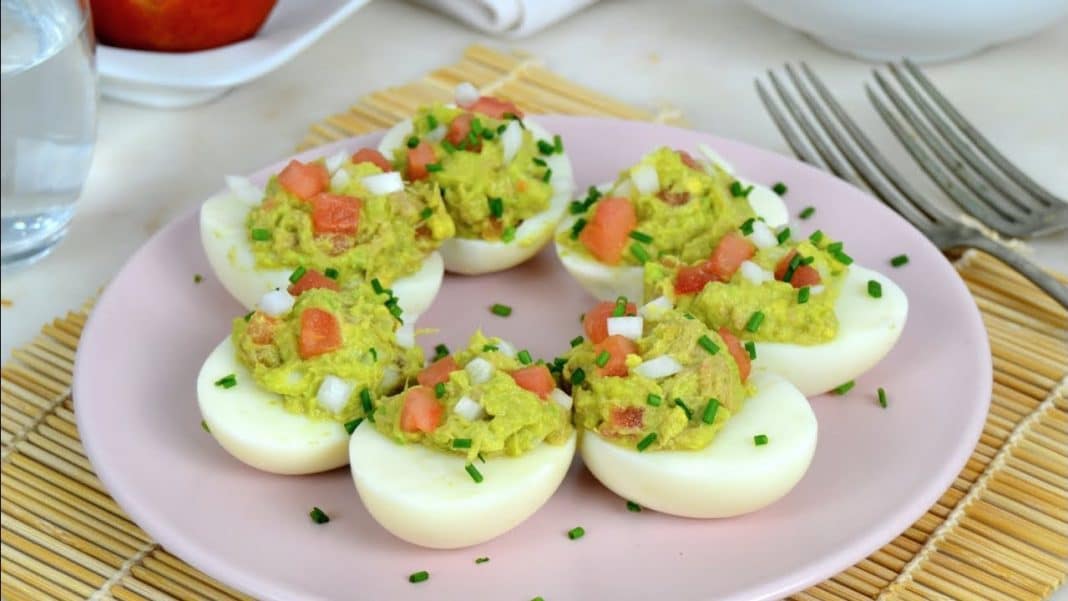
[{"x": 1023, "y": 266}]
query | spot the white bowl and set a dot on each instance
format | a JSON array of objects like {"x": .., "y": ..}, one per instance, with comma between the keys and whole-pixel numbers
[{"x": 923, "y": 30}]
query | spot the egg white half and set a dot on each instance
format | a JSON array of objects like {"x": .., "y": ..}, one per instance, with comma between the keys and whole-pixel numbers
[
  {"x": 425, "y": 496},
  {"x": 473, "y": 256},
  {"x": 867, "y": 329},
  {"x": 729, "y": 477},
  {"x": 224, "y": 236}
]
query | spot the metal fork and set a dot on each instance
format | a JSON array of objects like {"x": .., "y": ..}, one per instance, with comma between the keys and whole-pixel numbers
[{"x": 864, "y": 164}]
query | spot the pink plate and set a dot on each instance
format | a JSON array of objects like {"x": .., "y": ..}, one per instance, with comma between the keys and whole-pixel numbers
[{"x": 875, "y": 471}]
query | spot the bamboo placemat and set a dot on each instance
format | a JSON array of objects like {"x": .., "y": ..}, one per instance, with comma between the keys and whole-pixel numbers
[{"x": 999, "y": 532}]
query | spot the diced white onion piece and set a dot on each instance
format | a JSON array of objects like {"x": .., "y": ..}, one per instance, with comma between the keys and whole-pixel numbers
[
  {"x": 645, "y": 179},
  {"x": 436, "y": 135},
  {"x": 466, "y": 94},
  {"x": 276, "y": 302},
  {"x": 469, "y": 409},
  {"x": 479, "y": 370},
  {"x": 381, "y": 184},
  {"x": 762, "y": 235},
  {"x": 655, "y": 308},
  {"x": 714, "y": 157},
  {"x": 405, "y": 335},
  {"x": 507, "y": 348},
  {"x": 335, "y": 161},
  {"x": 511, "y": 140},
  {"x": 628, "y": 327},
  {"x": 391, "y": 378},
  {"x": 755, "y": 273},
  {"x": 562, "y": 398},
  {"x": 244, "y": 189},
  {"x": 334, "y": 393},
  {"x": 817, "y": 289},
  {"x": 339, "y": 180},
  {"x": 661, "y": 367}
]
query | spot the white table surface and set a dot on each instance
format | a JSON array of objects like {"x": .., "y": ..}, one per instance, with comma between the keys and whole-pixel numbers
[{"x": 700, "y": 56}]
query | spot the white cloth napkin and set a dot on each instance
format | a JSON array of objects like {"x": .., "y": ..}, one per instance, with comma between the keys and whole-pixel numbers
[{"x": 512, "y": 18}]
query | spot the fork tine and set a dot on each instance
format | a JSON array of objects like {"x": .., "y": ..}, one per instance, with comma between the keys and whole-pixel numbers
[
  {"x": 1025, "y": 204},
  {"x": 898, "y": 194},
  {"x": 979, "y": 140},
  {"x": 801, "y": 150},
  {"x": 985, "y": 210}
]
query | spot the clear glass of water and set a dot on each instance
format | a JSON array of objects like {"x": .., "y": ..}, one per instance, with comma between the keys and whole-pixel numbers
[{"x": 48, "y": 122}]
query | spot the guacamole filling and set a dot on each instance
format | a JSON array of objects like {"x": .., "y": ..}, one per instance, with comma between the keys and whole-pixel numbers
[
  {"x": 691, "y": 209},
  {"x": 765, "y": 309},
  {"x": 393, "y": 234},
  {"x": 350, "y": 336},
  {"x": 511, "y": 421},
  {"x": 683, "y": 411},
  {"x": 486, "y": 196}
]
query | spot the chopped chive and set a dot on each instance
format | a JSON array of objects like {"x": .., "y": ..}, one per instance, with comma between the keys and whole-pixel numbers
[
  {"x": 844, "y": 388},
  {"x": 644, "y": 443},
  {"x": 440, "y": 351},
  {"x": 577, "y": 376},
  {"x": 412, "y": 142},
  {"x": 331, "y": 273},
  {"x": 779, "y": 188},
  {"x": 754, "y": 322},
  {"x": 540, "y": 162},
  {"x": 750, "y": 348},
  {"x": 197, "y": 278},
  {"x": 783, "y": 236},
  {"x": 802, "y": 295},
  {"x": 374, "y": 353},
  {"x": 297, "y": 274},
  {"x": 592, "y": 195},
  {"x": 487, "y": 134},
  {"x": 736, "y": 189},
  {"x": 439, "y": 389},
  {"x": 834, "y": 247},
  {"x": 365, "y": 401},
  {"x": 508, "y": 234},
  {"x": 418, "y": 577},
  {"x": 706, "y": 343},
  {"x": 685, "y": 408},
  {"x": 204, "y": 424},
  {"x": 576, "y": 533},
  {"x": 654, "y": 399},
  {"x": 545, "y": 147},
  {"x": 710, "y": 411},
  {"x": 481, "y": 458},
  {"x": 474, "y": 473},
  {"x": 577, "y": 340},
  {"x": 621, "y": 307},
  {"x": 496, "y": 206},
  {"x": 603, "y": 358},
  {"x": 640, "y": 236},
  {"x": 816, "y": 237},
  {"x": 791, "y": 267},
  {"x": 501, "y": 128},
  {"x": 228, "y": 381},
  {"x": 431, "y": 121},
  {"x": 434, "y": 167},
  {"x": 318, "y": 516},
  {"x": 461, "y": 443},
  {"x": 577, "y": 207},
  {"x": 350, "y": 427},
  {"x": 882, "y": 398},
  {"x": 448, "y": 146},
  {"x": 632, "y": 506},
  {"x": 899, "y": 260},
  {"x": 547, "y": 176},
  {"x": 249, "y": 315},
  {"x": 639, "y": 252},
  {"x": 558, "y": 144},
  {"x": 488, "y": 348},
  {"x": 481, "y": 559},
  {"x": 261, "y": 234},
  {"x": 524, "y": 357},
  {"x": 476, "y": 127},
  {"x": 842, "y": 258},
  {"x": 396, "y": 311},
  {"x": 576, "y": 229},
  {"x": 807, "y": 212},
  {"x": 875, "y": 289},
  {"x": 500, "y": 310},
  {"x": 377, "y": 286},
  {"x": 760, "y": 440},
  {"x": 747, "y": 226}
]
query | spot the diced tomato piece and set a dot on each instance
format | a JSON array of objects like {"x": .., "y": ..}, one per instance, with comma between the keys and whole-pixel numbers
[
  {"x": 733, "y": 250},
  {"x": 335, "y": 214},
  {"x": 595, "y": 323},
  {"x": 495, "y": 107},
  {"x": 370, "y": 155},
  {"x": 688, "y": 160},
  {"x": 606, "y": 234},
  {"x": 320, "y": 333},
  {"x": 618, "y": 348},
  {"x": 304, "y": 180},
  {"x": 459, "y": 128},
  {"x": 418, "y": 158},
  {"x": 312, "y": 279},
  {"x": 261, "y": 328},
  {"x": 783, "y": 265},
  {"x": 535, "y": 378},
  {"x": 804, "y": 275},
  {"x": 627, "y": 418},
  {"x": 690, "y": 280},
  {"x": 673, "y": 198},
  {"x": 421, "y": 411},
  {"x": 741, "y": 356},
  {"x": 438, "y": 371}
]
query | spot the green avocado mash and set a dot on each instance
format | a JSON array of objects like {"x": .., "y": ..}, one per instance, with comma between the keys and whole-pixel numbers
[
  {"x": 788, "y": 315},
  {"x": 369, "y": 357},
  {"x": 516, "y": 420},
  {"x": 685, "y": 218},
  {"x": 486, "y": 198},
  {"x": 628, "y": 409},
  {"x": 395, "y": 233}
]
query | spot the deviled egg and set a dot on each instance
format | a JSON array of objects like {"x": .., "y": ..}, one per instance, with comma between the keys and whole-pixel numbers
[
  {"x": 349, "y": 218},
  {"x": 475, "y": 448},
  {"x": 504, "y": 179},
  {"x": 296, "y": 373}
]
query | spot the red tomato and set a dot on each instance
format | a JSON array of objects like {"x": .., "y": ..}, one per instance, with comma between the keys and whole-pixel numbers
[
  {"x": 312, "y": 279},
  {"x": 627, "y": 418},
  {"x": 535, "y": 378},
  {"x": 304, "y": 180},
  {"x": 741, "y": 357},
  {"x": 595, "y": 323},
  {"x": 618, "y": 348},
  {"x": 690, "y": 280},
  {"x": 606, "y": 234},
  {"x": 688, "y": 160},
  {"x": 804, "y": 275},
  {"x": 459, "y": 128},
  {"x": 320, "y": 333},
  {"x": 335, "y": 214},
  {"x": 494, "y": 107},
  {"x": 418, "y": 158},
  {"x": 438, "y": 371},
  {"x": 733, "y": 250},
  {"x": 261, "y": 328},
  {"x": 421, "y": 411},
  {"x": 370, "y": 155}
]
